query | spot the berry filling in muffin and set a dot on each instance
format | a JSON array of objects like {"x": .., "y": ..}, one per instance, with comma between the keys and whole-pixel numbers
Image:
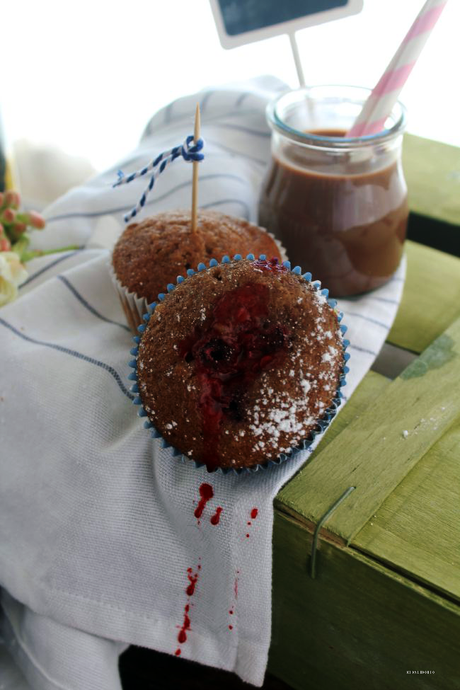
[{"x": 236, "y": 346}]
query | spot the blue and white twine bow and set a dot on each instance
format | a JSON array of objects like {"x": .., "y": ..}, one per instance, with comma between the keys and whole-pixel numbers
[{"x": 189, "y": 152}]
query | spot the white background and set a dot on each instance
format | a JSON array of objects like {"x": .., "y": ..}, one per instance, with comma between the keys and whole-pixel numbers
[{"x": 86, "y": 76}]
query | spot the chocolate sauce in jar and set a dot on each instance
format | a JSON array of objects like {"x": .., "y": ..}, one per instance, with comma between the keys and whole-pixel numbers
[{"x": 338, "y": 206}]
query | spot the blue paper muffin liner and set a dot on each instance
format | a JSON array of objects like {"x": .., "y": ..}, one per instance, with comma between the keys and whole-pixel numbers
[{"x": 322, "y": 423}]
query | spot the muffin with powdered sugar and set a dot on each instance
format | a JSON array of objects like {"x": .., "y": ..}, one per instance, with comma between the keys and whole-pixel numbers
[{"x": 240, "y": 363}]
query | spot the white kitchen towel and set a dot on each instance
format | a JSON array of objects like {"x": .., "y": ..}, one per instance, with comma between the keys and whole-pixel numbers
[{"x": 99, "y": 543}]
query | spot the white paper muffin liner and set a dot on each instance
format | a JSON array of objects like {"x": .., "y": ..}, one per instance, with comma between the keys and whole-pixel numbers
[{"x": 134, "y": 306}]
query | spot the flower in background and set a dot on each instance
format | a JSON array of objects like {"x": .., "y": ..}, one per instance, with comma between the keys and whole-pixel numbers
[
  {"x": 15, "y": 223},
  {"x": 14, "y": 244},
  {"x": 12, "y": 274}
]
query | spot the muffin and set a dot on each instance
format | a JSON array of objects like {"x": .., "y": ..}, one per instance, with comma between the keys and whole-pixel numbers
[
  {"x": 151, "y": 254},
  {"x": 239, "y": 363}
]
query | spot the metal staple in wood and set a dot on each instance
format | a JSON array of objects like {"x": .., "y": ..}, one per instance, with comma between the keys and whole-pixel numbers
[{"x": 319, "y": 526}]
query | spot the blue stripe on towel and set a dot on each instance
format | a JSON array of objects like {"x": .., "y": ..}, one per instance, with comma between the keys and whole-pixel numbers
[
  {"x": 87, "y": 305},
  {"x": 239, "y": 154},
  {"x": 246, "y": 130},
  {"x": 73, "y": 353},
  {"x": 362, "y": 349},
  {"x": 138, "y": 159},
  {"x": 205, "y": 100},
  {"x": 366, "y": 318},
  {"x": 161, "y": 197},
  {"x": 168, "y": 111},
  {"x": 384, "y": 299},
  {"x": 50, "y": 265},
  {"x": 212, "y": 204},
  {"x": 349, "y": 299},
  {"x": 242, "y": 97},
  {"x": 219, "y": 116}
]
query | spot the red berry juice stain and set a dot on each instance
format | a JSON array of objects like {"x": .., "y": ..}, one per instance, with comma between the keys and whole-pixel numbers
[
  {"x": 190, "y": 591},
  {"x": 193, "y": 579},
  {"x": 254, "y": 514},
  {"x": 216, "y": 517},
  {"x": 229, "y": 351},
  {"x": 231, "y": 612},
  {"x": 206, "y": 493},
  {"x": 235, "y": 586},
  {"x": 182, "y": 636}
]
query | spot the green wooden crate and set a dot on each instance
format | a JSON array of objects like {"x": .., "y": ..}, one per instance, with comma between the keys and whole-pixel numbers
[{"x": 383, "y": 611}]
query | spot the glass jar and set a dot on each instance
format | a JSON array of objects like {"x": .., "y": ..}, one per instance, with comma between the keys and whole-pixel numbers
[{"x": 337, "y": 204}]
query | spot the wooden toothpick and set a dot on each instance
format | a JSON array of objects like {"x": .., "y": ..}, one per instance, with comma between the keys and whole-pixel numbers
[{"x": 196, "y": 136}]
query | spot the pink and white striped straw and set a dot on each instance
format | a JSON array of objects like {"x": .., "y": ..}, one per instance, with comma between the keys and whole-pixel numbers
[{"x": 383, "y": 97}]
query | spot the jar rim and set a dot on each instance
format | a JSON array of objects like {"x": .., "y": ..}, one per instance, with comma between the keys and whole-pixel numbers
[{"x": 323, "y": 141}]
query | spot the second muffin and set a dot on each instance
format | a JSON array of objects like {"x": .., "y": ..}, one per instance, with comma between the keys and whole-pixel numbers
[{"x": 151, "y": 254}]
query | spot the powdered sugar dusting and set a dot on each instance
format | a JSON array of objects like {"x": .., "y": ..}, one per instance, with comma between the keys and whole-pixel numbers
[{"x": 281, "y": 418}]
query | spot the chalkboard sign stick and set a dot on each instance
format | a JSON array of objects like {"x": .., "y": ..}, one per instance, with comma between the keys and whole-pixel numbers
[
  {"x": 300, "y": 74},
  {"x": 196, "y": 136},
  {"x": 298, "y": 64}
]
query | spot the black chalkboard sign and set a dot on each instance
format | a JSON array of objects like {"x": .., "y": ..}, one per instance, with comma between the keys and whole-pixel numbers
[
  {"x": 245, "y": 21},
  {"x": 240, "y": 17}
]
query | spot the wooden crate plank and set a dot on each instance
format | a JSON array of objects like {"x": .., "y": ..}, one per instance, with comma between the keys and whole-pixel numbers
[
  {"x": 369, "y": 388},
  {"x": 379, "y": 448},
  {"x": 392, "y": 360},
  {"x": 432, "y": 172},
  {"x": 431, "y": 298},
  {"x": 358, "y": 625},
  {"x": 417, "y": 528}
]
